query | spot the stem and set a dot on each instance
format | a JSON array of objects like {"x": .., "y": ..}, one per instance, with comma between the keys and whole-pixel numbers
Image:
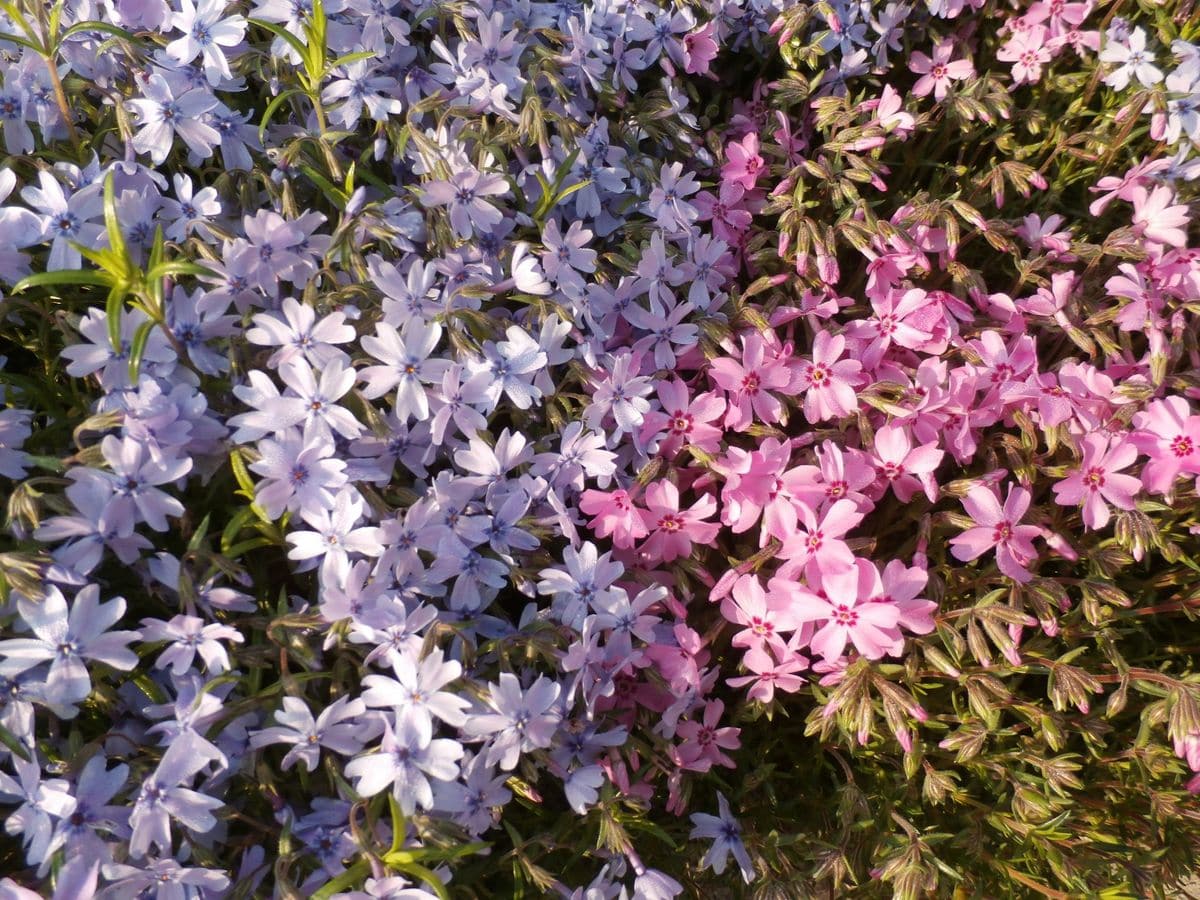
[{"x": 60, "y": 97}]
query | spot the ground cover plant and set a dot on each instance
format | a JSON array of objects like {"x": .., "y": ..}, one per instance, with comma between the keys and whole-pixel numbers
[{"x": 628, "y": 449}]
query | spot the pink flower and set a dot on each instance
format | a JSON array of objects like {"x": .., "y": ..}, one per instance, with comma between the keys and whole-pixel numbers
[
  {"x": 1097, "y": 479},
  {"x": 998, "y": 528},
  {"x": 753, "y": 485},
  {"x": 905, "y": 468},
  {"x": 892, "y": 323},
  {"x": 769, "y": 674},
  {"x": 672, "y": 530},
  {"x": 686, "y": 422},
  {"x": 1027, "y": 52},
  {"x": 749, "y": 381},
  {"x": 901, "y": 586},
  {"x": 841, "y": 473},
  {"x": 848, "y": 615},
  {"x": 743, "y": 165},
  {"x": 699, "y": 49},
  {"x": 826, "y": 380},
  {"x": 765, "y": 616},
  {"x": 1156, "y": 219},
  {"x": 614, "y": 514},
  {"x": 819, "y": 546},
  {"x": 937, "y": 73},
  {"x": 703, "y": 742},
  {"x": 1170, "y": 436}
]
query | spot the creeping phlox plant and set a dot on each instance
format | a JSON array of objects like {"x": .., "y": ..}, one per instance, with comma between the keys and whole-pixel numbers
[{"x": 625, "y": 449}]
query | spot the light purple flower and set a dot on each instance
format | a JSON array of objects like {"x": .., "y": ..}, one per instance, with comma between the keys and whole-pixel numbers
[
  {"x": 406, "y": 761},
  {"x": 65, "y": 638},
  {"x": 162, "y": 115},
  {"x": 520, "y": 721},
  {"x": 331, "y": 729}
]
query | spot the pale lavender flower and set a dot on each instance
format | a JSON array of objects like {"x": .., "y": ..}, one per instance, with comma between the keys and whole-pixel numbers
[
  {"x": 465, "y": 195},
  {"x": 162, "y": 879},
  {"x": 209, "y": 32},
  {"x": 65, "y": 638},
  {"x": 361, "y": 85},
  {"x": 406, "y": 761},
  {"x": 162, "y": 115},
  {"x": 406, "y": 365},
  {"x": 472, "y": 800},
  {"x": 520, "y": 721},
  {"x": 514, "y": 364},
  {"x": 726, "y": 834},
  {"x": 94, "y": 812},
  {"x": 299, "y": 473},
  {"x": 622, "y": 394},
  {"x": 191, "y": 212},
  {"x": 41, "y": 802},
  {"x": 567, "y": 256},
  {"x": 88, "y": 534},
  {"x": 188, "y": 636},
  {"x": 99, "y": 355},
  {"x": 331, "y": 729},
  {"x": 415, "y": 694},
  {"x": 298, "y": 333},
  {"x": 581, "y": 454},
  {"x": 456, "y": 403},
  {"x": 313, "y": 401},
  {"x": 500, "y": 529},
  {"x": 134, "y": 479},
  {"x": 584, "y": 581},
  {"x": 65, "y": 219},
  {"x": 335, "y": 535},
  {"x": 14, "y": 430},
  {"x": 18, "y": 138},
  {"x": 162, "y": 798},
  {"x": 668, "y": 201}
]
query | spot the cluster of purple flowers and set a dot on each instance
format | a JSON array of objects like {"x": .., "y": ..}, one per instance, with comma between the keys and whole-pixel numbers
[{"x": 340, "y": 500}]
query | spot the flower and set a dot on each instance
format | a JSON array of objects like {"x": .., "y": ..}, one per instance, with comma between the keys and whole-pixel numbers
[
  {"x": 998, "y": 528},
  {"x": 1098, "y": 478},
  {"x": 187, "y": 637},
  {"x": 520, "y": 721},
  {"x": 937, "y": 73},
  {"x": 162, "y": 115},
  {"x": 726, "y": 834},
  {"x": 332, "y": 729},
  {"x": 672, "y": 531},
  {"x": 1135, "y": 61},
  {"x": 1169, "y": 434},
  {"x": 206, "y": 30},
  {"x": 464, "y": 193},
  {"x": 65, "y": 638},
  {"x": 614, "y": 514},
  {"x": 847, "y": 609}
]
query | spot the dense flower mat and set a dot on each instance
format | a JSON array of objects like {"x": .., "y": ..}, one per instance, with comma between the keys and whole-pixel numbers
[{"x": 495, "y": 448}]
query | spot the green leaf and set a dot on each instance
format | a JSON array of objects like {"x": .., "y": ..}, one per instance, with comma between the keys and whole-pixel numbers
[
  {"x": 63, "y": 276},
  {"x": 9, "y": 740},
  {"x": 15, "y": 39},
  {"x": 200, "y": 533},
  {"x": 113, "y": 308},
  {"x": 112, "y": 225},
  {"x": 283, "y": 34},
  {"x": 271, "y": 109},
  {"x": 137, "y": 348},
  {"x": 349, "y": 58},
  {"x": 348, "y": 879},
  {"x": 92, "y": 25},
  {"x": 336, "y": 194},
  {"x": 427, "y": 876},
  {"x": 176, "y": 267}
]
